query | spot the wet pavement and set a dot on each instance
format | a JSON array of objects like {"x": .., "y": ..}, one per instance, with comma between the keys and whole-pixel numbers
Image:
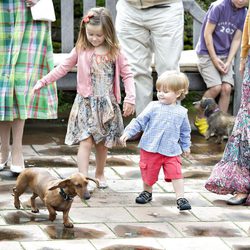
[{"x": 111, "y": 219}]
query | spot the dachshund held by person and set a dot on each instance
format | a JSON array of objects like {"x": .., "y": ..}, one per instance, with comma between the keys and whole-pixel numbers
[
  {"x": 220, "y": 124},
  {"x": 57, "y": 194}
]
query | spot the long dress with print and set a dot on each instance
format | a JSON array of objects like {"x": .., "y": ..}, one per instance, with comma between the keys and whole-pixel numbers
[
  {"x": 232, "y": 174},
  {"x": 98, "y": 115},
  {"x": 26, "y": 55}
]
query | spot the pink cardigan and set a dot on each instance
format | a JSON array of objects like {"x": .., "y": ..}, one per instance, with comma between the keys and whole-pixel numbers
[{"x": 84, "y": 87}]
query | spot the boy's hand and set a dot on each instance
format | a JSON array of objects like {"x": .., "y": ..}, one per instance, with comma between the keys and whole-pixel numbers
[
  {"x": 186, "y": 153},
  {"x": 128, "y": 109},
  {"x": 37, "y": 87},
  {"x": 123, "y": 140}
]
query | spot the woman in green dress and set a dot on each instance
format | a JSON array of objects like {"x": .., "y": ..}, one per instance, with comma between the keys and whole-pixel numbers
[{"x": 25, "y": 56}]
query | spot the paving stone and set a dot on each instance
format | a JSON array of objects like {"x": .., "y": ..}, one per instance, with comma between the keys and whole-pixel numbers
[
  {"x": 244, "y": 225},
  {"x": 169, "y": 199},
  {"x": 127, "y": 244},
  {"x": 80, "y": 231},
  {"x": 211, "y": 229},
  {"x": 193, "y": 243},
  {"x": 129, "y": 186},
  {"x": 109, "y": 198},
  {"x": 137, "y": 230},
  {"x": 160, "y": 214},
  {"x": 232, "y": 213},
  {"x": 99, "y": 215},
  {"x": 8, "y": 245},
  {"x": 50, "y": 161},
  {"x": 58, "y": 245},
  {"x": 28, "y": 151},
  {"x": 240, "y": 243},
  {"x": 21, "y": 233},
  {"x": 26, "y": 217},
  {"x": 216, "y": 199},
  {"x": 2, "y": 222},
  {"x": 55, "y": 150}
]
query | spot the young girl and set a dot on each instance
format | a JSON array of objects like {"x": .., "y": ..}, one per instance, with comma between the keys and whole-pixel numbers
[
  {"x": 95, "y": 118},
  {"x": 166, "y": 136}
]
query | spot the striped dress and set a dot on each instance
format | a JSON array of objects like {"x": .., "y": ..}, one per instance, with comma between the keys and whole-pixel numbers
[{"x": 25, "y": 56}]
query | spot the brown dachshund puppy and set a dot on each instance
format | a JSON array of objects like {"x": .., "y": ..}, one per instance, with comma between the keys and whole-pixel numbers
[
  {"x": 220, "y": 124},
  {"x": 56, "y": 194}
]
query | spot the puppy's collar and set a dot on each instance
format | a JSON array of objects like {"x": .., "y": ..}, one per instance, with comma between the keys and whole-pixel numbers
[
  {"x": 210, "y": 112},
  {"x": 65, "y": 196},
  {"x": 216, "y": 110}
]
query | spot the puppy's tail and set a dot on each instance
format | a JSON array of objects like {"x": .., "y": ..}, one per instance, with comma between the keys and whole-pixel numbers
[{"x": 94, "y": 180}]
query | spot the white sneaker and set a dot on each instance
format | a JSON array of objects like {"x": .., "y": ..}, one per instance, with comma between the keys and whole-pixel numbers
[
  {"x": 3, "y": 165},
  {"x": 16, "y": 169}
]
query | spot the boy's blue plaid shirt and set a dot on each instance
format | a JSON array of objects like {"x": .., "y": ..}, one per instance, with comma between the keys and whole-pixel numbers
[{"x": 166, "y": 129}]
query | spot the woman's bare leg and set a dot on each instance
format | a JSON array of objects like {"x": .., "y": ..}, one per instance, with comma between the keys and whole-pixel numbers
[
  {"x": 83, "y": 155},
  {"x": 5, "y": 128},
  {"x": 17, "y": 148},
  {"x": 101, "y": 157}
]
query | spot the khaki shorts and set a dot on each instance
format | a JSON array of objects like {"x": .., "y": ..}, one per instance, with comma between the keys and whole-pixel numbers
[{"x": 211, "y": 76}]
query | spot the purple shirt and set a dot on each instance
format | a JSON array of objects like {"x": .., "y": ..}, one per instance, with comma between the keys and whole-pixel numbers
[{"x": 227, "y": 19}]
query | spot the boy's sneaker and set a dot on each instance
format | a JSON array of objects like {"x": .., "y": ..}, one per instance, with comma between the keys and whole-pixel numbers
[
  {"x": 201, "y": 125},
  {"x": 183, "y": 204},
  {"x": 144, "y": 197}
]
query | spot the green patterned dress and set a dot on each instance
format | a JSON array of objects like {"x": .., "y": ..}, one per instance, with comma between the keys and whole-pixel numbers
[{"x": 25, "y": 56}]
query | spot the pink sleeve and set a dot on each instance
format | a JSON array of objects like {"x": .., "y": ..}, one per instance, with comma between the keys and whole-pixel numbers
[
  {"x": 62, "y": 69},
  {"x": 127, "y": 78}
]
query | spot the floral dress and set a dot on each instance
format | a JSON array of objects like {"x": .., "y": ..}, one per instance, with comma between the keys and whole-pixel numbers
[
  {"x": 98, "y": 115},
  {"x": 232, "y": 174}
]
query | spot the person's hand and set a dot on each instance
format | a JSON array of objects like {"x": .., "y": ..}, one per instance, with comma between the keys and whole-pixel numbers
[
  {"x": 219, "y": 64},
  {"x": 226, "y": 67},
  {"x": 37, "y": 87},
  {"x": 128, "y": 109},
  {"x": 30, "y": 3},
  {"x": 242, "y": 67},
  {"x": 123, "y": 140},
  {"x": 186, "y": 153}
]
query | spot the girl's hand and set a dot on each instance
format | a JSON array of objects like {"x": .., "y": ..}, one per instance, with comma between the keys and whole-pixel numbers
[
  {"x": 37, "y": 87},
  {"x": 123, "y": 140},
  {"x": 128, "y": 109}
]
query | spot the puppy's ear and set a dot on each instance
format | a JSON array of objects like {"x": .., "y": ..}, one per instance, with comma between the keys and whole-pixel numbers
[{"x": 61, "y": 184}]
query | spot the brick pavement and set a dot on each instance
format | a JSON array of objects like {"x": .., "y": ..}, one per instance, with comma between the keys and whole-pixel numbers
[{"x": 111, "y": 219}]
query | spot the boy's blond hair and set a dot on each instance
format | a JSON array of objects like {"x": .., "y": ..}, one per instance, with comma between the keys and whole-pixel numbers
[
  {"x": 99, "y": 16},
  {"x": 174, "y": 81}
]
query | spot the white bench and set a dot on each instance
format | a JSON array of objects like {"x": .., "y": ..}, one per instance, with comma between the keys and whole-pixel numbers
[{"x": 188, "y": 64}]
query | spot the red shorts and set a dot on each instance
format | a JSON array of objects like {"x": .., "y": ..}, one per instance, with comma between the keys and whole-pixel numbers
[{"x": 151, "y": 163}]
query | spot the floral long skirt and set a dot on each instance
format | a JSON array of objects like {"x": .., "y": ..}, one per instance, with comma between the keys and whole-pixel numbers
[{"x": 232, "y": 174}]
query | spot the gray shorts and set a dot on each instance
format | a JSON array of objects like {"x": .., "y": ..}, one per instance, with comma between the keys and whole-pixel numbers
[{"x": 211, "y": 76}]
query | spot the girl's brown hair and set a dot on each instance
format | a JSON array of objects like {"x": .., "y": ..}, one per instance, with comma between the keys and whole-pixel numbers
[
  {"x": 99, "y": 16},
  {"x": 174, "y": 81}
]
